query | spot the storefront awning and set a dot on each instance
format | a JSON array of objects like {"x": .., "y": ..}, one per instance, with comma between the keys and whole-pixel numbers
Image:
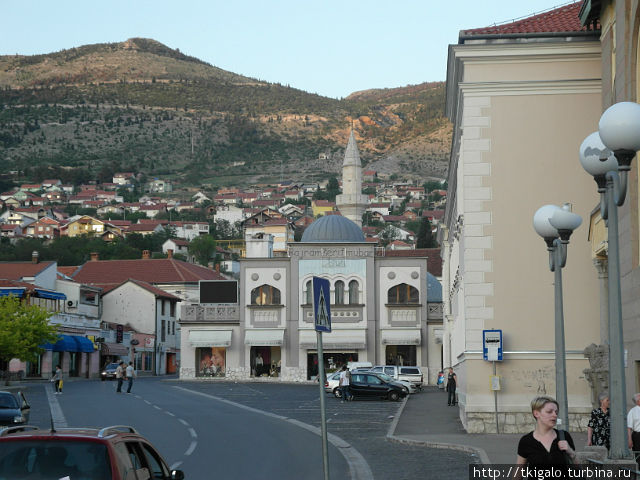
[
  {"x": 117, "y": 349},
  {"x": 70, "y": 343},
  {"x": 345, "y": 339},
  {"x": 5, "y": 292},
  {"x": 51, "y": 295},
  {"x": 401, "y": 336},
  {"x": 264, "y": 338},
  {"x": 210, "y": 338}
]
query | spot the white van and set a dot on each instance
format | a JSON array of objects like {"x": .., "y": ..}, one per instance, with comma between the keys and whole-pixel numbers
[
  {"x": 411, "y": 374},
  {"x": 352, "y": 365}
]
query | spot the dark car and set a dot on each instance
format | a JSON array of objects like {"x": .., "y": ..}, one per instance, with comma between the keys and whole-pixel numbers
[
  {"x": 371, "y": 385},
  {"x": 109, "y": 372},
  {"x": 14, "y": 409},
  {"x": 113, "y": 453}
]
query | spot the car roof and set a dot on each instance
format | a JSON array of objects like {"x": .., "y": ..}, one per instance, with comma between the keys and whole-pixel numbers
[{"x": 27, "y": 432}]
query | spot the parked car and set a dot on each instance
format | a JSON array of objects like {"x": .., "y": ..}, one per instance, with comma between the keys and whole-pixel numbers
[
  {"x": 365, "y": 384},
  {"x": 332, "y": 384},
  {"x": 14, "y": 409},
  {"x": 353, "y": 365},
  {"x": 112, "y": 453},
  {"x": 109, "y": 372},
  {"x": 411, "y": 374},
  {"x": 412, "y": 388}
]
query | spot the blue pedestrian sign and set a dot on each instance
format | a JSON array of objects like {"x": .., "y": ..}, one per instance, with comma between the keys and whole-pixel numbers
[{"x": 321, "y": 301}]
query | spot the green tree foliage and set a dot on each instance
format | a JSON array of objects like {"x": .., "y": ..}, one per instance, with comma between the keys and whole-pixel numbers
[
  {"x": 388, "y": 235},
  {"x": 425, "y": 238},
  {"x": 333, "y": 189},
  {"x": 22, "y": 328},
  {"x": 202, "y": 248}
]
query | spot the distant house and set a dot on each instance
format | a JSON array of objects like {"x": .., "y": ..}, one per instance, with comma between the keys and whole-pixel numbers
[
  {"x": 320, "y": 207},
  {"x": 123, "y": 178},
  {"x": 176, "y": 245},
  {"x": 46, "y": 227},
  {"x": 369, "y": 175},
  {"x": 82, "y": 225},
  {"x": 230, "y": 213},
  {"x": 144, "y": 229}
]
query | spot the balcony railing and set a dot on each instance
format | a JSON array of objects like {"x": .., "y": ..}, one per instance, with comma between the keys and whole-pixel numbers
[{"x": 198, "y": 312}]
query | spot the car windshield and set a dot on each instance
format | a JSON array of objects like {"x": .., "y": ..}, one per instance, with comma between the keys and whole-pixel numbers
[
  {"x": 8, "y": 401},
  {"x": 57, "y": 459},
  {"x": 111, "y": 366}
]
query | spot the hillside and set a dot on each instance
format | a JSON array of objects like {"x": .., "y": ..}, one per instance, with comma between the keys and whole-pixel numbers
[{"x": 141, "y": 106}]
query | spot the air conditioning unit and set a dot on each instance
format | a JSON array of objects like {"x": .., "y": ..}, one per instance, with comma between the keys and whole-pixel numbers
[{"x": 72, "y": 303}]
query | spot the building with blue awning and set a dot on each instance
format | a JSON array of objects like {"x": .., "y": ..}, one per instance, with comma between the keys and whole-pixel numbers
[{"x": 71, "y": 343}]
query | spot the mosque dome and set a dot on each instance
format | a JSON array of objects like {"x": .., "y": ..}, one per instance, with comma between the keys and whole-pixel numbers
[{"x": 333, "y": 228}]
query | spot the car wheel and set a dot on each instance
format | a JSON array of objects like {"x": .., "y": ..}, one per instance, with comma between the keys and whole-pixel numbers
[
  {"x": 337, "y": 392},
  {"x": 394, "y": 396}
]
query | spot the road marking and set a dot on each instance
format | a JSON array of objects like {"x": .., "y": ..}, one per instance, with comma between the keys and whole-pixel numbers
[
  {"x": 57, "y": 417},
  {"x": 193, "y": 433},
  {"x": 358, "y": 467},
  {"x": 147, "y": 402},
  {"x": 192, "y": 447},
  {"x": 157, "y": 407},
  {"x": 184, "y": 422},
  {"x": 175, "y": 466},
  {"x": 169, "y": 413}
]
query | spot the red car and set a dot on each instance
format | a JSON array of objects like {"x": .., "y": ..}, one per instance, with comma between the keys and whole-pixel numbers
[{"x": 112, "y": 453}]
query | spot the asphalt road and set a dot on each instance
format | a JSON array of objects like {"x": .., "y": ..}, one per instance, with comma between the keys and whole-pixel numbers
[{"x": 248, "y": 430}]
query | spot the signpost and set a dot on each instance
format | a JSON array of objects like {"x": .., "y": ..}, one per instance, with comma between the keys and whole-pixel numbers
[
  {"x": 322, "y": 323},
  {"x": 492, "y": 352}
]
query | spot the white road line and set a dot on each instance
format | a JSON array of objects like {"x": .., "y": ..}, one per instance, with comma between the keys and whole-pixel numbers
[
  {"x": 57, "y": 416},
  {"x": 193, "y": 433},
  {"x": 192, "y": 447},
  {"x": 169, "y": 413},
  {"x": 358, "y": 467},
  {"x": 184, "y": 422},
  {"x": 175, "y": 466},
  {"x": 147, "y": 402},
  {"x": 157, "y": 407}
]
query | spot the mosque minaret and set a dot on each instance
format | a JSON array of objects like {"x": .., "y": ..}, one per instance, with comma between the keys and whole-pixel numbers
[{"x": 352, "y": 203}]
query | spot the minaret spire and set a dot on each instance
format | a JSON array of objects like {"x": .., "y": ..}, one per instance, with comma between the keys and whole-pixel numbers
[{"x": 352, "y": 202}]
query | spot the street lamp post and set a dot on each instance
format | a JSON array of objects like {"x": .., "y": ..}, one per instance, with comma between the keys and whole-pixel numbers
[
  {"x": 607, "y": 155},
  {"x": 555, "y": 225}
]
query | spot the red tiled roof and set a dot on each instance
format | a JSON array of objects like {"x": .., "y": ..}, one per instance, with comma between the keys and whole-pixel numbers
[
  {"x": 162, "y": 270},
  {"x": 68, "y": 271},
  {"x": 18, "y": 270},
  {"x": 559, "y": 20}
]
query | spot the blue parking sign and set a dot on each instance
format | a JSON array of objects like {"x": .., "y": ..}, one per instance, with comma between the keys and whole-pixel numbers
[{"x": 321, "y": 304}]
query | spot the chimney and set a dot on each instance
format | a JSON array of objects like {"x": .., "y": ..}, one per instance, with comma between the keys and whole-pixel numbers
[
  {"x": 95, "y": 256},
  {"x": 146, "y": 254},
  {"x": 35, "y": 257},
  {"x": 169, "y": 252},
  {"x": 218, "y": 267}
]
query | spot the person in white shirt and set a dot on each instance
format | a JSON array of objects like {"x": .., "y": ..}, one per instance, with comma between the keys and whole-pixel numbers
[
  {"x": 633, "y": 425},
  {"x": 130, "y": 374},
  {"x": 345, "y": 377}
]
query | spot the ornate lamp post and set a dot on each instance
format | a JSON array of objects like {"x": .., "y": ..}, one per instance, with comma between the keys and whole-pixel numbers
[
  {"x": 607, "y": 155},
  {"x": 555, "y": 225}
]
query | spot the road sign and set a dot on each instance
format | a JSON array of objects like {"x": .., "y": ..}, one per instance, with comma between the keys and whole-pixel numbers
[
  {"x": 492, "y": 345},
  {"x": 321, "y": 301}
]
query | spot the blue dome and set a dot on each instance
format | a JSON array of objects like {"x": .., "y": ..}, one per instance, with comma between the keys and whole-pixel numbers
[
  {"x": 434, "y": 289},
  {"x": 333, "y": 228}
]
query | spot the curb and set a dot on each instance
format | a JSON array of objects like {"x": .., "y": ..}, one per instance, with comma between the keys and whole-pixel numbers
[{"x": 482, "y": 455}]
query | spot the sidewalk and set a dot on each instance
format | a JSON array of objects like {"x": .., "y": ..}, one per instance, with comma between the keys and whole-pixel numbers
[{"x": 425, "y": 419}]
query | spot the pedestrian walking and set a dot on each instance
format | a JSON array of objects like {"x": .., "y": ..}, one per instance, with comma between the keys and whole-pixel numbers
[
  {"x": 120, "y": 376},
  {"x": 598, "y": 427},
  {"x": 633, "y": 427},
  {"x": 57, "y": 380},
  {"x": 545, "y": 446},
  {"x": 130, "y": 373},
  {"x": 452, "y": 381},
  {"x": 345, "y": 377}
]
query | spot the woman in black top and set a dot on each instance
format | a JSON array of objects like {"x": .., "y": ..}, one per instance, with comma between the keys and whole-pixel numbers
[
  {"x": 543, "y": 447},
  {"x": 451, "y": 387}
]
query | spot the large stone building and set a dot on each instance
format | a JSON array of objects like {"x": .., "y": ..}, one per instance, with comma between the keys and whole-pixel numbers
[{"x": 521, "y": 96}]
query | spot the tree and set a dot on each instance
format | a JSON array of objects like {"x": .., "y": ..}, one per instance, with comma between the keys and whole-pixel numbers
[
  {"x": 202, "y": 248},
  {"x": 389, "y": 234},
  {"x": 23, "y": 328},
  {"x": 425, "y": 237}
]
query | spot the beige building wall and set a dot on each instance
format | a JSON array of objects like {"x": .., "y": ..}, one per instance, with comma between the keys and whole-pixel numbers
[{"x": 520, "y": 112}]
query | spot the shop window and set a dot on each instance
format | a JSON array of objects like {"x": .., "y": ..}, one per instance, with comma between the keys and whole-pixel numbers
[
  {"x": 354, "y": 297},
  {"x": 403, "y": 293},
  {"x": 265, "y": 295},
  {"x": 210, "y": 361},
  {"x": 339, "y": 292}
]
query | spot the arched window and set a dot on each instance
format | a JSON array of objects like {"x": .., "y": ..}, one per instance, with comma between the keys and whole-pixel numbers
[
  {"x": 354, "y": 295},
  {"x": 339, "y": 292},
  {"x": 309, "y": 293},
  {"x": 265, "y": 295},
  {"x": 403, "y": 293}
]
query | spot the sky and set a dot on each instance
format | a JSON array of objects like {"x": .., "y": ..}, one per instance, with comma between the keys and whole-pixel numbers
[{"x": 328, "y": 47}]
